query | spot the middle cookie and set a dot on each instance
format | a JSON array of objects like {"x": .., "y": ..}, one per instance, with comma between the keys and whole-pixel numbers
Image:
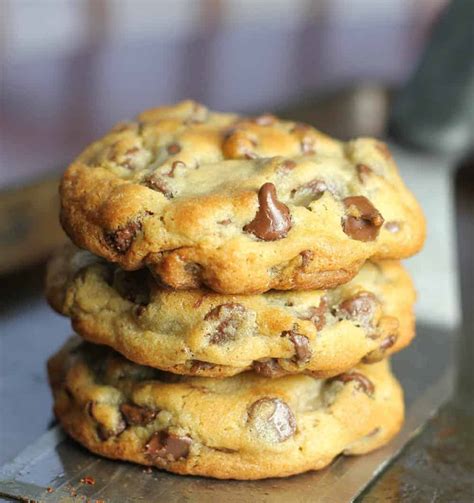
[{"x": 199, "y": 332}]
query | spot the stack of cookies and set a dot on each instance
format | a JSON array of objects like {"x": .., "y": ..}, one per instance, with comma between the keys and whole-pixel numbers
[{"x": 236, "y": 288}]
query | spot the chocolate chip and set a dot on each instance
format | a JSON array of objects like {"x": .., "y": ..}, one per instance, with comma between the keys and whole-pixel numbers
[
  {"x": 363, "y": 172},
  {"x": 227, "y": 221},
  {"x": 132, "y": 285},
  {"x": 227, "y": 318},
  {"x": 286, "y": 166},
  {"x": 363, "y": 383},
  {"x": 309, "y": 192},
  {"x": 167, "y": 446},
  {"x": 136, "y": 415},
  {"x": 157, "y": 183},
  {"x": 268, "y": 368},
  {"x": 200, "y": 300},
  {"x": 271, "y": 419},
  {"x": 393, "y": 226},
  {"x": 265, "y": 120},
  {"x": 176, "y": 164},
  {"x": 173, "y": 148},
  {"x": 360, "y": 307},
  {"x": 122, "y": 238},
  {"x": 379, "y": 354},
  {"x": 362, "y": 221},
  {"x": 317, "y": 315},
  {"x": 105, "y": 432},
  {"x": 301, "y": 343},
  {"x": 272, "y": 220},
  {"x": 306, "y": 258},
  {"x": 194, "y": 270},
  {"x": 128, "y": 158}
]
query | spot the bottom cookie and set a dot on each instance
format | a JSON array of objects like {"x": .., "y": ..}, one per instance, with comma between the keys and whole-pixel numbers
[{"x": 241, "y": 427}]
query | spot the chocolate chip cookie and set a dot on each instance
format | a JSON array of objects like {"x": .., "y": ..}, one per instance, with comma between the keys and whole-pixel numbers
[
  {"x": 243, "y": 427},
  {"x": 240, "y": 204},
  {"x": 200, "y": 332}
]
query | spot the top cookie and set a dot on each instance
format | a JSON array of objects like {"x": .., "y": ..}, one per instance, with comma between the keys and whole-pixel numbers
[{"x": 241, "y": 205}]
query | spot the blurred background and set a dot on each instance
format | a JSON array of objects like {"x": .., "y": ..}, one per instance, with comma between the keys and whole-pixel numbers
[{"x": 70, "y": 69}]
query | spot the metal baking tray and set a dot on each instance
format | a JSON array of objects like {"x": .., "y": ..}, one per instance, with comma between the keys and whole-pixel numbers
[{"x": 55, "y": 468}]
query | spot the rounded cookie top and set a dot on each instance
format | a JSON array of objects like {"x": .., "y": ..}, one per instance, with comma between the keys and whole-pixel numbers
[
  {"x": 200, "y": 332},
  {"x": 240, "y": 204},
  {"x": 243, "y": 427}
]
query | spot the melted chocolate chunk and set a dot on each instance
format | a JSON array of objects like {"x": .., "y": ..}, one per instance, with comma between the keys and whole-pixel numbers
[
  {"x": 167, "y": 446},
  {"x": 132, "y": 286},
  {"x": 268, "y": 368},
  {"x": 176, "y": 164},
  {"x": 273, "y": 220},
  {"x": 363, "y": 383},
  {"x": 306, "y": 258},
  {"x": 127, "y": 160},
  {"x": 379, "y": 354},
  {"x": 200, "y": 300},
  {"x": 121, "y": 239},
  {"x": 363, "y": 172},
  {"x": 388, "y": 342},
  {"x": 194, "y": 270},
  {"x": 105, "y": 432},
  {"x": 173, "y": 148},
  {"x": 286, "y": 166},
  {"x": 309, "y": 192},
  {"x": 157, "y": 183},
  {"x": 271, "y": 419},
  {"x": 137, "y": 416},
  {"x": 360, "y": 307},
  {"x": 228, "y": 318},
  {"x": 317, "y": 314},
  {"x": 362, "y": 221},
  {"x": 301, "y": 343}
]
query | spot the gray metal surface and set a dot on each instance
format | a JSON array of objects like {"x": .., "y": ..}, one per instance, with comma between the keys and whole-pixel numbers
[
  {"x": 438, "y": 465},
  {"x": 57, "y": 463}
]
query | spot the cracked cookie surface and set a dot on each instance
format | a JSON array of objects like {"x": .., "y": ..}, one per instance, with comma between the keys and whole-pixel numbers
[
  {"x": 240, "y": 204},
  {"x": 243, "y": 427},
  {"x": 200, "y": 332}
]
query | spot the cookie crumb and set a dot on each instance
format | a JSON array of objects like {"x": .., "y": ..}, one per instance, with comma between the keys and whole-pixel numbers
[{"x": 90, "y": 481}]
